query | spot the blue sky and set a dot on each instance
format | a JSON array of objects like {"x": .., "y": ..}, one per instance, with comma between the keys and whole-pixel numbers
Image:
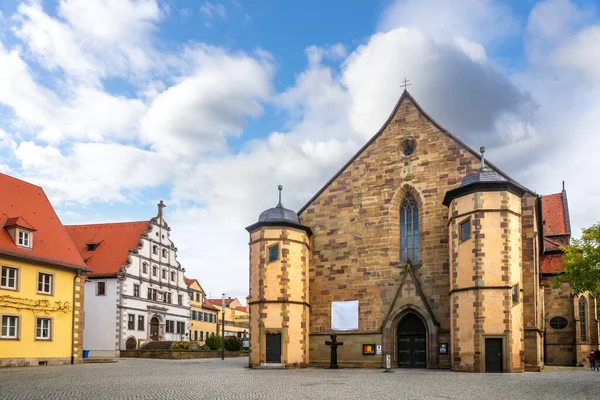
[{"x": 113, "y": 105}]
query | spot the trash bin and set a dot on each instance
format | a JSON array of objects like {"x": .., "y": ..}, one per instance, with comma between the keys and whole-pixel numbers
[{"x": 86, "y": 353}]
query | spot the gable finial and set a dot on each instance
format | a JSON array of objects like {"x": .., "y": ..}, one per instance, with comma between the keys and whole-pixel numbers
[
  {"x": 563, "y": 186},
  {"x": 280, "y": 188},
  {"x": 161, "y": 205},
  {"x": 482, "y": 150},
  {"x": 405, "y": 83}
]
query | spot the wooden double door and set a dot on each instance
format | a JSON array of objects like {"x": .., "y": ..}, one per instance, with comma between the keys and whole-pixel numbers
[{"x": 412, "y": 342}]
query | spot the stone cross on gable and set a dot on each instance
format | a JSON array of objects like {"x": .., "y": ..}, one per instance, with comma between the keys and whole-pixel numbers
[{"x": 405, "y": 83}]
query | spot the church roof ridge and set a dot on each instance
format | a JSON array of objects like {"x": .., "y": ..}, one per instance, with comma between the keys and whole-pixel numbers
[{"x": 405, "y": 95}]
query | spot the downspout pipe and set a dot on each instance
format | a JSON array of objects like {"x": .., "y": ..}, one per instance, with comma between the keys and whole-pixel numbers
[{"x": 73, "y": 316}]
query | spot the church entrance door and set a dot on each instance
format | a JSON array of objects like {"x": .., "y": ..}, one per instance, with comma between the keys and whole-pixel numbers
[
  {"x": 274, "y": 348},
  {"x": 154, "y": 328},
  {"x": 493, "y": 355},
  {"x": 412, "y": 342}
]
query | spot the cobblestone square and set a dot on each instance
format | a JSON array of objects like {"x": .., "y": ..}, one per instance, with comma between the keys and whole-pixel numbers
[{"x": 230, "y": 379}]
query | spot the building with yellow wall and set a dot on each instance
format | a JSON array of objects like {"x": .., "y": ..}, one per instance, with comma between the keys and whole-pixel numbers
[
  {"x": 203, "y": 315},
  {"x": 41, "y": 285},
  {"x": 236, "y": 317}
]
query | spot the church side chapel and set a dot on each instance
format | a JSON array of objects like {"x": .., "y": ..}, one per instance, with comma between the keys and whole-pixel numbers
[{"x": 421, "y": 250}]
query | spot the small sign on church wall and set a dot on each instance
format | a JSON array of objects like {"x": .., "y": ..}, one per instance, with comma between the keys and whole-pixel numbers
[
  {"x": 443, "y": 348},
  {"x": 369, "y": 349}
]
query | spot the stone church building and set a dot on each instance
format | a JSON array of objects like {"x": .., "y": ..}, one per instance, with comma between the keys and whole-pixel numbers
[{"x": 449, "y": 258}]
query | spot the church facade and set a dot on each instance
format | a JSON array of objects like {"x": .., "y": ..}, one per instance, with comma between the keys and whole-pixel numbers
[{"x": 447, "y": 256}]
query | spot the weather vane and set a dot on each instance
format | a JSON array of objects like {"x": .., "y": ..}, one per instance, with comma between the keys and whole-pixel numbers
[{"x": 405, "y": 83}]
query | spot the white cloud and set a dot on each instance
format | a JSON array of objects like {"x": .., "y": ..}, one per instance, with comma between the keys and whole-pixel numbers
[
  {"x": 477, "y": 20},
  {"x": 91, "y": 39},
  {"x": 213, "y": 10},
  {"x": 196, "y": 114},
  {"x": 92, "y": 171}
]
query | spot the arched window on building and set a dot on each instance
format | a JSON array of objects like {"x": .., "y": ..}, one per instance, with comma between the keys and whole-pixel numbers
[
  {"x": 409, "y": 229},
  {"x": 155, "y": 249},
  {"x": 582, "y": 318}
]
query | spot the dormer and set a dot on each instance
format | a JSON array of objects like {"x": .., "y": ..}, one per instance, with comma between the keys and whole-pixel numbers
[
  {"x": 20, "y": 231},
  {"x": 91, "y": 246}
]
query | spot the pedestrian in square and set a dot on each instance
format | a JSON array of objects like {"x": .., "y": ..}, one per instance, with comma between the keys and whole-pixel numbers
[
  {"x": 591, "y": 356},
  {"x": 597, "y": 358}
]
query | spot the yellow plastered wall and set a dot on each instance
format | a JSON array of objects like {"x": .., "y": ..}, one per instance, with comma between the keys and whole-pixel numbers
[
  {"x": 281, "y": 288},
  {"x": 26, "y": 346},
  {"x": 496, "y": 232}
]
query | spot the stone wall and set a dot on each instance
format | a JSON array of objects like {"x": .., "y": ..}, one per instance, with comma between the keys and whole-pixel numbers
[
  {"x": 559, "y": 343},
  {"x": 484, "y": 268},
  {"x": 278, "y": 297},
  {"x": 533, "y": 296},
  {"x": 355, "y": 223},
  {"x": 178, "y": 355},
  {"x": 31, "y": 362}
]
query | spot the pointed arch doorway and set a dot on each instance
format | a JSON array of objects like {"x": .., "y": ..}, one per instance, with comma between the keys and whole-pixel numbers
[{"x": 412, "y": 342}]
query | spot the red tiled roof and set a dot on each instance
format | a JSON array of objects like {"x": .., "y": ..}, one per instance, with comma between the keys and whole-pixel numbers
[
  {"x": 24, "y": 203},
  {"x": 189, "y": 281},
  {"x": 20, "y": 222},
  {"x": 209, "y": 305},
  {"x": 554, "y": 215},
  {"x": 552, "y": 263},
  {"x": 114, "y": 242},
  {"x": 243, "y": 309},
  {"x": 218, "y": 302}
]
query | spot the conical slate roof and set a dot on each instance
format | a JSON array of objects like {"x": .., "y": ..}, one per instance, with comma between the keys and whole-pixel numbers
[
  {"x": 279, "y": 214},
  {"x": 482, "y": 176}
]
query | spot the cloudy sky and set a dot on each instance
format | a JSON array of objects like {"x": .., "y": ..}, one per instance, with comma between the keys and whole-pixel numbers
[{"x": 113, "y": 105}]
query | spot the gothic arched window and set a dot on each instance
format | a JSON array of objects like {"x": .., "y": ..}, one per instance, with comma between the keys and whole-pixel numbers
[
  {"x": 582, "y": 319},
  {"x": 409, "y": 229}
]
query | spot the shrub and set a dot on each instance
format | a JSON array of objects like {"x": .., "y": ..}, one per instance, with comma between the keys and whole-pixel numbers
[
  {"x": 181, "y": 345},
  {"x": 233, "y": 343},
  {"x": 213, "y": 342}
]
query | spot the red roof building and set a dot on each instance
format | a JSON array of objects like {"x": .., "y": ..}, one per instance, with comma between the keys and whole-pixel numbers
[
  {"x": 25, "y": 206},
  {"x": 105, "y": 247},
  {"x": 557, "y": 231}
]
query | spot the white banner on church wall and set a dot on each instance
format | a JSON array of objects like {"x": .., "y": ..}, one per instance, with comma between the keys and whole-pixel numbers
[{"x": 344, "y": 315}]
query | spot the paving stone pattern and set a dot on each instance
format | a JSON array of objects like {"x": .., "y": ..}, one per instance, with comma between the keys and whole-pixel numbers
[{"x": 215, "y": 379}]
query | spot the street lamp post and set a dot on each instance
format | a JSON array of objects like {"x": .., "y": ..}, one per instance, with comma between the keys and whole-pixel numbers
[{"x": 223, "y": 327}]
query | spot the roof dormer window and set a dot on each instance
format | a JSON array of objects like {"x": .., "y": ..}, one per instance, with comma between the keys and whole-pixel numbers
[
  {"x": 24, "y": 239},
  {"x": 20, "y": 231},
  {"x": 92, "y": 246}
]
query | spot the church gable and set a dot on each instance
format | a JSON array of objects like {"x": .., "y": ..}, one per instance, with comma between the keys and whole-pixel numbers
[
  {"x": 400, "y": 124},
  {"x": 355, "y": 218}
]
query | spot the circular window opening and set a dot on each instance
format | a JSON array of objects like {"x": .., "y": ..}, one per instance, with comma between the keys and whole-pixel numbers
[
  {"x": 558, "y": 322},
  {"x": 407, "y": 147}
]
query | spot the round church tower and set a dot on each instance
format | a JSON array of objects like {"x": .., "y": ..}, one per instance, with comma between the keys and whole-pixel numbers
[
  {"x": 486, "y": 320},
  {"x": 278, "y": 299}
]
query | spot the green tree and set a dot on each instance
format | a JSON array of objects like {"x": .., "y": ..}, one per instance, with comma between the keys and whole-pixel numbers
[
  {"x": 233, "y": 343},
  {"x": 581, "y": 262},
  {"x": 213, "y": 342}
]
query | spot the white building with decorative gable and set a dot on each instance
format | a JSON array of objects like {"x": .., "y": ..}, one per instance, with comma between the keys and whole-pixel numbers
[{"x": 136, "y": 291}]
